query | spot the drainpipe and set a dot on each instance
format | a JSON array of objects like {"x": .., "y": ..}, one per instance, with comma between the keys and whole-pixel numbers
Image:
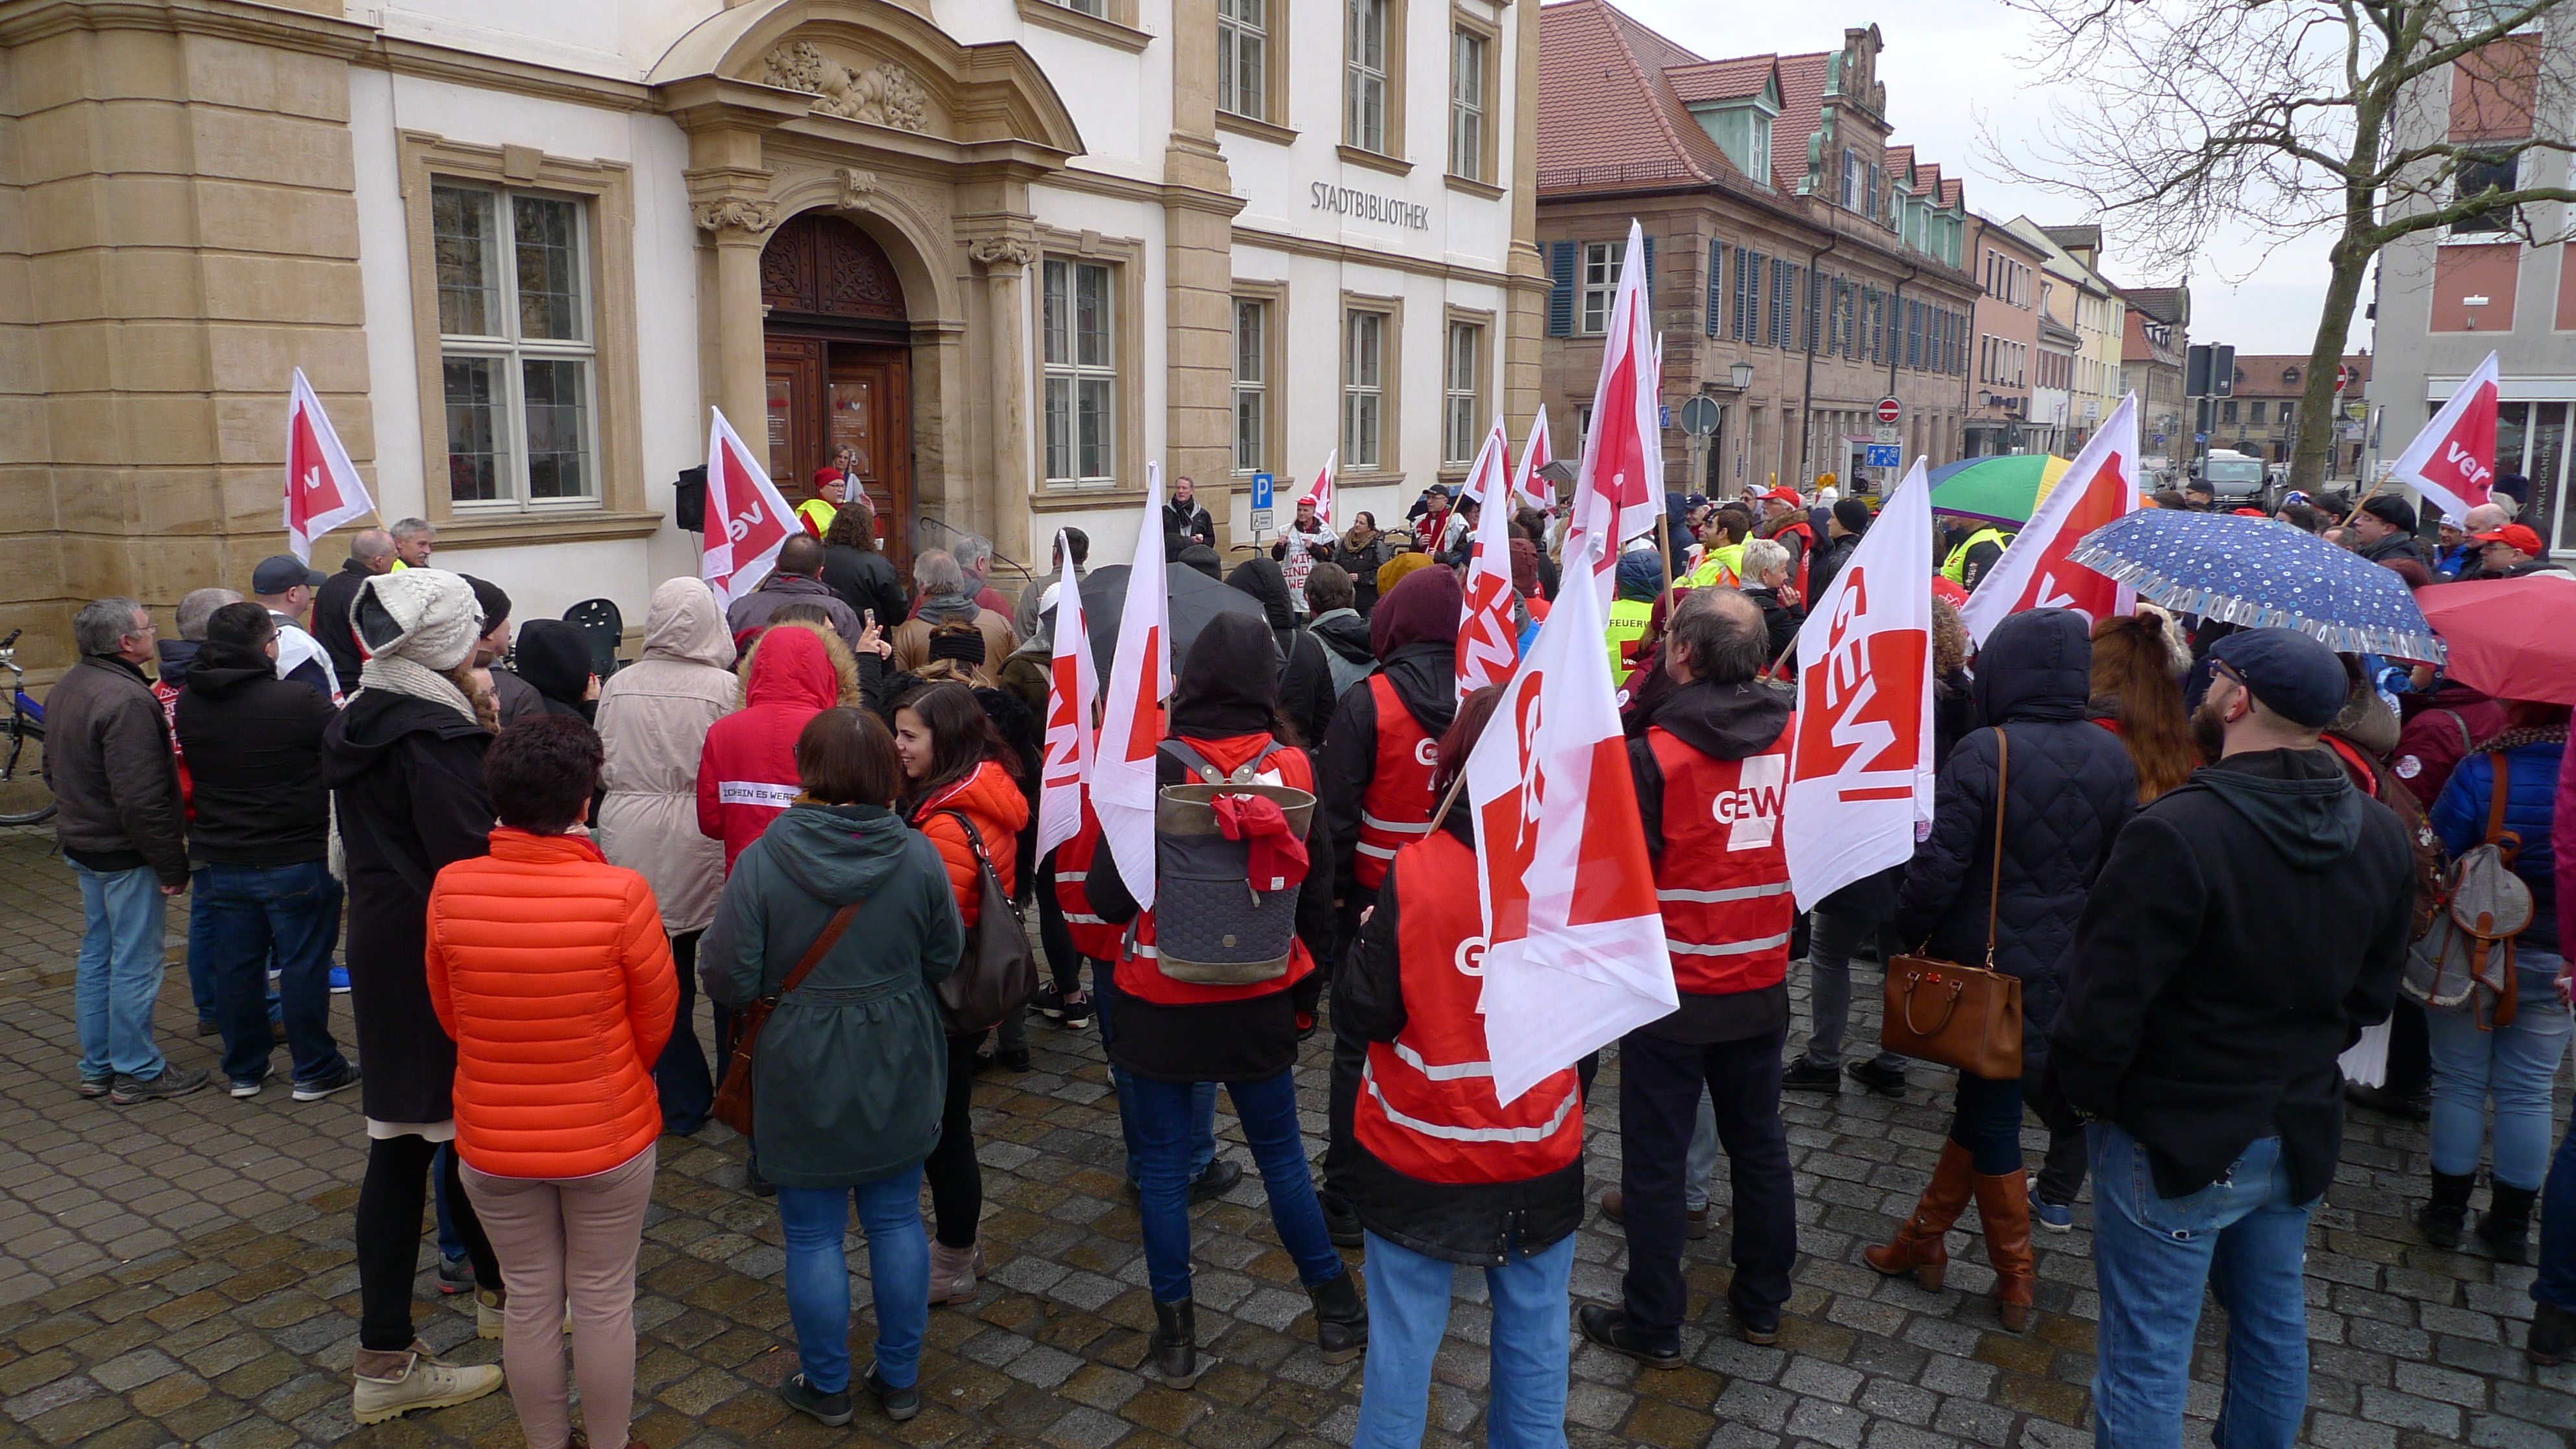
[{"x": 1807, "y": 389}]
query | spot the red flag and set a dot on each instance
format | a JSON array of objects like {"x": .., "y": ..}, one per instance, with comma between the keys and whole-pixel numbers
[
  {"x": 1860, "y": 774},
  {"x": 1322, "y": 492},
  {"x": 1527, "y": 486},
  {"x": 1620, "y": 487},
  {"x": 747, "y": 517},
  {"x": 2035, "y": 572},
  {"x": 2452, "y": 461},
  {"x": 1488, "y": 645},
  {"x": 1131, "y": 726},
  {"x": 1576, "y": 955},
  {"x": 323, "y": 489},
  {"x": 1073, "y": 685}
]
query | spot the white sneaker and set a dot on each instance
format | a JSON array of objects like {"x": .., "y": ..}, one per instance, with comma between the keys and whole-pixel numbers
[{"x": 415, "y": 1379}]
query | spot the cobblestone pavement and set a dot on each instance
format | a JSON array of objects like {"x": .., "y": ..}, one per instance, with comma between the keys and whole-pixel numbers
[{"x": 180, "y": 1273}]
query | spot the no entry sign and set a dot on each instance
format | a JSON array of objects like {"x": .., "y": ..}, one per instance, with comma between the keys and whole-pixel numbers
[{"x": 1889, "y": 409}]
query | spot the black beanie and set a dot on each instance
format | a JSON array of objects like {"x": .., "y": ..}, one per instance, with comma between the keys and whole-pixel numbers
[{"x": 966, "y": 645}]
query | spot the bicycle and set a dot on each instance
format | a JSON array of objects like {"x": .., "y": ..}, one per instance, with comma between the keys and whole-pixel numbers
[{"x": 26, "y": 796}]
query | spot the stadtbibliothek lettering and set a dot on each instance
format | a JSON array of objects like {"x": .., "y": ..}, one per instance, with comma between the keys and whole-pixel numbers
[{"x": 1368, "y": 206}]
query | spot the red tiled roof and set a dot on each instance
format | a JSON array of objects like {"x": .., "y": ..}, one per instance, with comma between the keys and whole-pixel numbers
[
  {"x": 1720, "y": 80},
  {"x": 1951, "y": 192},
  {"x": 1802, "y": 94},
  {"x": 1605, "y": 108}
]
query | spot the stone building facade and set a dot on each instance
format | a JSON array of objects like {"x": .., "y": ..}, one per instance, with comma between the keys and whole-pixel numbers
[
  {"x": 1002, "y": 251},
  {"x": 2006, "y": 363},
  {"x": 1784, "y": 231}
]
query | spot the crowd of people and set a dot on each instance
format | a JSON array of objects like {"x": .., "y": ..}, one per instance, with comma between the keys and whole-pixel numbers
[{"x": 2197, "y": 847}]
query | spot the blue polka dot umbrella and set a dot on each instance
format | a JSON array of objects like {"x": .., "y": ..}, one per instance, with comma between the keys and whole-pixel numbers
[{"x": 2262, "y": 574}]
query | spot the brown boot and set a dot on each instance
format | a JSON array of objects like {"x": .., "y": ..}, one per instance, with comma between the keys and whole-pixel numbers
[
  {"x": 1917, "y": 1248},
  {"x": 2003, "y": 1205}
]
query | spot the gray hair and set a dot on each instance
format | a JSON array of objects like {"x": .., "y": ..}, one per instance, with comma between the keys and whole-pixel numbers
[
  {"x": 937, "y": 573},
  {"x": 1761, "y": 556},
  {"x": 1721, "y": 633},
  {"x": 102, "y": 624},
  {"x": 198, "y": 607},
  {"x": 973, "y": 552},
  {"x": 411, "y": 528},
  {"x": 371, "y": 544}
]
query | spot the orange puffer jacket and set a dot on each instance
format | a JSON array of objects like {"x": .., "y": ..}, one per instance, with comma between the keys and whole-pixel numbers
[
  {"x": 549, "y": 968},
  {"x": 1000, "y": 812}
]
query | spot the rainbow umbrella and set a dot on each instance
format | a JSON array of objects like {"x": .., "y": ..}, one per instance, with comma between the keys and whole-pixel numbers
[{"x": 2004, "y": 490}]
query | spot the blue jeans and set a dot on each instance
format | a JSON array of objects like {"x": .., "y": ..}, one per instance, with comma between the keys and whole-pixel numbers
[
  {"x": 818, "y": 1276},
  {"x": 291, "y": 913},
  {"x": 2241, "y": 1236},
  {"x": 2515, "y": 1065},
  {"x": 119, "y": 975},
  {"x": 2556, "y": 1285},
  {"x": 1104, "y": 1002},
  {"x": 1163, "y": 1124},
  {"x": 1409, "y": 1311},
  {"x": 201, "y": 969}
]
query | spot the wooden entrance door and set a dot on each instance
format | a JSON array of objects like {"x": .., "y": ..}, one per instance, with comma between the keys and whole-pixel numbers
[{"x": 840, "y": 370}]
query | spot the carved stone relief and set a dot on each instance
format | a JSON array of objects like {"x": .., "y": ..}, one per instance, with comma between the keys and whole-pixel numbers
[
  {"x": 1002, "y": 253},
  {"x": 883, "y": 95},
  {"x": 736, "y": 212}
]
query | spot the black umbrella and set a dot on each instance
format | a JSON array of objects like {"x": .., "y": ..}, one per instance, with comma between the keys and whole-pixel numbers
[{"x": 1196, "y": 598}]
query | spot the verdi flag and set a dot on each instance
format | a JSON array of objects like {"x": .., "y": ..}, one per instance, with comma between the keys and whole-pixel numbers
[
  {"x": 1131, "y": 726},
  {"x": 323, "y": 489},
  {"x": 2452, "y": 461},
  {"x": 1575, "y": 955},
  {"x": 1619, "y": 489},
  {"x": 1073, "y": 684},
  {"x": 1860, "y": 771},
  {"x": 1488, "y": 645},
  {"x": 1527, "y": 486},
  {"x": 2035, "y": 572},
  {"x": 747, "y": 520},
  {"x": 1322, "y": 491}
]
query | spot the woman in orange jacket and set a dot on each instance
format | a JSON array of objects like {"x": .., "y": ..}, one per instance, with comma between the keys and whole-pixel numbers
[
  {"x": 548, "y": 967},
  {"x": 957, "y": 773}
]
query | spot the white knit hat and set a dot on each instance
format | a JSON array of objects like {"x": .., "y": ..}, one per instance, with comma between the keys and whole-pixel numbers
[{"x": 427, "y": 616}]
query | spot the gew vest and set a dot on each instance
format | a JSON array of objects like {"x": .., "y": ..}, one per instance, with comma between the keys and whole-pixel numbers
[
  {"x": 1723, "y": 880},
  {"x": 1427, "y": 1107},
  {"x": 1092, "y": 936},
  {"x": 1139, "y": 972},
  {"x": 1395, "y": 810}
]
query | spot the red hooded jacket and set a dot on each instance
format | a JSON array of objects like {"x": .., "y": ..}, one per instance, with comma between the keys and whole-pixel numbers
[
  {"x": 988, "y": 797},
  {"x": 747, "y": 771}
]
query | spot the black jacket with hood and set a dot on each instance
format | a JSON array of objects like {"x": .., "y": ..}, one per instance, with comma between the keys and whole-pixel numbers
[
  {"x": 2205, "y": 1006},
  {"x": 254, "y": 748},
  {"x": 1305, "y": 678},
  {"x": 554, "y": 659},
  {"x": 407, "y": 777},
  {"x": 1723, "y": 722},
  {"x": 330, "y": 620},
  {"x": 1415, "y": 634},
  {"x": 2071, "y": 787},
  {"x": 1477, "y": 1223}
]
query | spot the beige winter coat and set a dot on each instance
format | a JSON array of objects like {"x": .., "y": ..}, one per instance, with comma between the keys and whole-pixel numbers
[{"x": 653, "y": 718}]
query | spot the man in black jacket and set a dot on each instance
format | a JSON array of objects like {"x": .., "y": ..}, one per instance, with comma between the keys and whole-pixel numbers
[
  {"x": 259, "y": 837},
  {"x": 2259, "y": 920},
  {"x": 371, "y": 552},
  {"x": 2386, "y": 527},
  {"x": 1182, "y": 514}
]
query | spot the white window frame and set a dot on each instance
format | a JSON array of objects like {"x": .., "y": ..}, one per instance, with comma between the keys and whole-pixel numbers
[
  {"x": 1243, "y": 31},
  {"x": 1251, "y": 385},
  {"x": 1367, "y": 84},
  {"x": 1467, "y": 103},
  {"x": 1365, "y": 349},
  {"x": 510, "y": 351},
  {"x": 1074, "y": 375},
  {"x": 1462, "y": 375},
  {"x": 1597, "y": 285},
  {"x": 1761, "y": 149}
]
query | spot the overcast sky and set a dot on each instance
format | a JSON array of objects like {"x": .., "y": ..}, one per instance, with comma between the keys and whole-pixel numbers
[{"x": 1949, "y": 63}]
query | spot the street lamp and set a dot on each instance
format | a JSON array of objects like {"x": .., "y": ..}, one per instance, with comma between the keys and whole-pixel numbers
[{"x": 1741, "y": 374}]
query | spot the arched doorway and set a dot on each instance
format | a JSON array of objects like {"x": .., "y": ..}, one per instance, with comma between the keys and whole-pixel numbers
[{"x": 839, "y": 354}]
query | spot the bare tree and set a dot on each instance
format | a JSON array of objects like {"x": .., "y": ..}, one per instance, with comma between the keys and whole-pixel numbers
[{"x": 2365, "y": 120}]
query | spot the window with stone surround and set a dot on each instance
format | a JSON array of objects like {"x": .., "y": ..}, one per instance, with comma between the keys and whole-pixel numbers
[
  {"x": 1372, "y": 55},
  {"x": 1462, "y": 393},
  {"x": 1251, "y": 384},
  {"x": 1470, "y": 111},
  {"x": 1601, "y": 264},
  {"x": 1365, "y": 348},
  {"x": 516, "y": 345},
  {"x": 1243, "y": 58},
  {"x": 1077, "y": 323}
]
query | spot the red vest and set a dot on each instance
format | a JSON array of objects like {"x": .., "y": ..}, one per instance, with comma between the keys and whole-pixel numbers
[
  {"x": 1138, "y": 971},
  {"x": 1092, "y": 936},
  {"x": 1396, "y": 809},
  {"x": 1724, "y": 876},
  {"x": 1807, "y": 549},
  {"x": 1427, "y": 1106}
]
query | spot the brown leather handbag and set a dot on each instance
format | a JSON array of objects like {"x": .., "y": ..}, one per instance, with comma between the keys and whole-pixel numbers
[
  {"x": 733, "y": 1099},
  {"x": 1967, "y": 1017},
  {"x": 998, "y": 973}
]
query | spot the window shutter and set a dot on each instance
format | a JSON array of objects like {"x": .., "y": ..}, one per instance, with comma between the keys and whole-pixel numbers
[
  {"x": 1560, "y": 296},
  {"x": 1647, "y": 284},
  {"x": 1748, "y": 274},
  {"x": 1716, "y": 289}
]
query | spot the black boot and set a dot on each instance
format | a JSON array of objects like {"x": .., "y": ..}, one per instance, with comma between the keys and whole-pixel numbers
[
  {"x": 1341, "y": 1322},
  {"x": 2553, "y": 1334},
  {"x": 1175, "y": 1349},
  {"x": 2446, "y": 1217},
  {"x": 2506, "y": 1225}
]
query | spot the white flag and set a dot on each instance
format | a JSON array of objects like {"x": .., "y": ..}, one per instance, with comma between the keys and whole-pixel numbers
[
  {"x": 1575, "y": 955},
  {"x": 1488, "y": 645},
  {"x": 1619, "y": 490},
  {"x": 1527, "y": 486},
  {"x": 323, "y": 489},
  {"x": 1860, "y": 775},
  {"x": 747, "y": 520},
  {"x": 2453, "y": 461},
  {"x": 1073, "y": 684},
  {"x": 2035, "y": 572},
  {"x": 1322, "y": 491},
  {"x": 1131, "y": 727}
]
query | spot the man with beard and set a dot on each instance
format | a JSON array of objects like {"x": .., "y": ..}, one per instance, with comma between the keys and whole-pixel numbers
[{"x": 2199, "y": 1034}]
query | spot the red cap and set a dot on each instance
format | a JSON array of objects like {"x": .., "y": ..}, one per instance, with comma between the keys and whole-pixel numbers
[
  {"x": 2251, "y": 513},
  {"x": 1783, "y": 495},
  {"x": 2515, "y": 536},
  {"x": 826, "y": 475}
]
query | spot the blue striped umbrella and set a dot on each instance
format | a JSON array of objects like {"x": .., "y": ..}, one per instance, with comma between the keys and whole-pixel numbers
[{"x": 2262, "y": 574}]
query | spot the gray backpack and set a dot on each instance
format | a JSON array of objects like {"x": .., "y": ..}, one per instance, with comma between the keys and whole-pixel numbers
[
  {"x": 1211, "y": 926},
  {"x": 2465, "y": 961}
]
